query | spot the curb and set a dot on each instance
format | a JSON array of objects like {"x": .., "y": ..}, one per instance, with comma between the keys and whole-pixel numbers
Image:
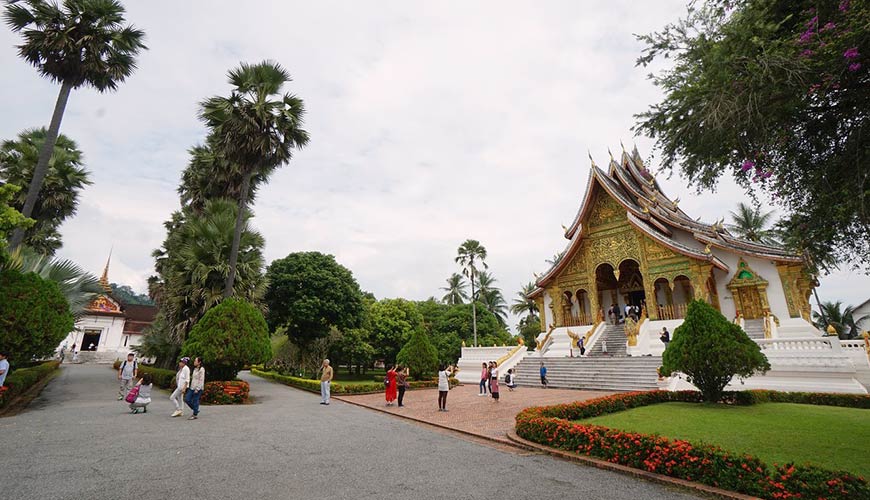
[{"x": 623, "y": 469}]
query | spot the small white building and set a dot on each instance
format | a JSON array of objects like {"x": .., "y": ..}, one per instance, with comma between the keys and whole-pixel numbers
[{"x": 862, "y": 311}]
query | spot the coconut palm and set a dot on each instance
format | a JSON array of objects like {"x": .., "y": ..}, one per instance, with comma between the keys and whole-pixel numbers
[
  {"x": 82, "y": 43},
  {"x": 192, "y": 264},
  {"x": 523, "y": 304},
  {"x": 79, "y": 287},
  {"x": 751, "y": 224},
  {"x": 256, "y": 129},
  {"x": 491, "y": 297},
  {"x": 841, "y": 318},
  {"x": 469, "y": 252},
  {"x": 455, "y": 289},
  {"x": 65, "y": 177}
]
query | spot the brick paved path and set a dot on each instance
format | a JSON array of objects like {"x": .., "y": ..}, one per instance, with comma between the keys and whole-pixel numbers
[{"x": 471, "y": 413}]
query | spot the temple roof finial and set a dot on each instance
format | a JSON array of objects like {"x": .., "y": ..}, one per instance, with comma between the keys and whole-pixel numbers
[
  {"x": 104, "y": 279},
  {"x": 611, "y": 154},
  {"x": 590, "y": 158}
]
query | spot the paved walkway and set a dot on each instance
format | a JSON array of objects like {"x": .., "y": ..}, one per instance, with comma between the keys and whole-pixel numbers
[
  {"x": 468, "y": 412},
  {"x": 77, "y": 442}
]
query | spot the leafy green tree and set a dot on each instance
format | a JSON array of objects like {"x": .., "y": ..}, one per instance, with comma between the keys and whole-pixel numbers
[
  {"x": 391, "y": 322},
  {"x": 192, "y": 264},
  {"x": 82, "y": 43},
  {"x": 751, "y": 224},
  {"x": 10, "y": 219},
  {"x": 841, "y": 318},
  {"x": 255, "y": 129},
  {"x": 773, "y": 92},
  {"x": 308, "y": 293},
  {"x": 523, "y": 304},
  {"x": 231, "y": 335},
  {"x": 419, "y": 355},
  {"x": 710, "y": 351},
  {"x": 528, "y": 328},
  {"x": 59, "y": 196},
  {"x": 458, "y": 320},
  {"x": 159, "y": 343},
  {"x": 469, "y": 252},
  {"x": 455, "y": 289},
  {"x": 34, "y": 316},
  {"x": 127, "y": 295},
  {"x": 353, "y": 349},
  {"x": 78, "y": 286}
]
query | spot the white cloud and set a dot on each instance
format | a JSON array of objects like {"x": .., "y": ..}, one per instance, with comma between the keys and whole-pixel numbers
[{"x": 430, "y": 123}]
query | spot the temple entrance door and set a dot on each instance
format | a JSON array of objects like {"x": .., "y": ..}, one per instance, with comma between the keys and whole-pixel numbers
[
  {"x": 750, "y": 302},
  {"x": 90, "y": 337},
  {"x": 637, "y": 298}
]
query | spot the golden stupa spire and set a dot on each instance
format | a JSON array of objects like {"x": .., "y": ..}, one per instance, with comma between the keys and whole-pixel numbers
[{"x": 104, "y": 279}]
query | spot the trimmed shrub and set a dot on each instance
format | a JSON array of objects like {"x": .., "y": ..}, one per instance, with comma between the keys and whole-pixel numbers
[
  {"x": 419, "y": 355},
  {"x": 231, "y": 335},
  {"x": 230, "y": 392},
  {"x": 553, "y": 426},
  {"x": 343, "y": 387},
  {"x": 710, "y": 350},
  {"x": 22, "y": 379},
  {"x": 34, "y": 316}
]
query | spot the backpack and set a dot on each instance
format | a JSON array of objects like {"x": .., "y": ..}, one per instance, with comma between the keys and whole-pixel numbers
[
  {"x": 135, "y": 365},
  {"x": 507, "y": 378}
]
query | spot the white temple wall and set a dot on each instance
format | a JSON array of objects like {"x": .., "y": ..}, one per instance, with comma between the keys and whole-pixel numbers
[
  {"x": 547, "y": 313},
  {"x": 111, "y": 329},
  {"x": 764, "y": 268}
]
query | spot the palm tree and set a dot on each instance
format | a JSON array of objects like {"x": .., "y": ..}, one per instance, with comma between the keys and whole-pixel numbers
[
  {"x": 491, "y": 297},
  {"x": 84, "y": 42},
  {"x": 455, "y": 289},
  {"x": 751, "y": 224},
  {"x": 65, "y": 177},
  {"x": 209, "y": 176},
  {"x": 467, "y": 253},
  {"x": 192, "y": 264},
  {"x": 842, "y": 319},
  {"x": 255, "y": 132},
  {"x": 523, "y": 304},
  {"x": 79, "y": 287}
]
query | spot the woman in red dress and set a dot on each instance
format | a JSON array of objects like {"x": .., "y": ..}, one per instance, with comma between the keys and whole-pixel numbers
[{"x": 390, "y": 384}]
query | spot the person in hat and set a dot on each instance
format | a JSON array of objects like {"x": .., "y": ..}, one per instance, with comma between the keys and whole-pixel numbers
[{"x": 182, "y": 380}]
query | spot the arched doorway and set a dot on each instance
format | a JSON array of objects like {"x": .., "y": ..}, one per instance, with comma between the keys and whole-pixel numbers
[
  {"x": 608, "y": 292},
  {"x": 631, "y": 284}
]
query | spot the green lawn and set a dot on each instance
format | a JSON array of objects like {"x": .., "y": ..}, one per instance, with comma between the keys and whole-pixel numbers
[{"x": 828, "y": 436}]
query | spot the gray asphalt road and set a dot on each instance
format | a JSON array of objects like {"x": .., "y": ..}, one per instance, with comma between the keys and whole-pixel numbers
[{"x": 77, "y": 441}]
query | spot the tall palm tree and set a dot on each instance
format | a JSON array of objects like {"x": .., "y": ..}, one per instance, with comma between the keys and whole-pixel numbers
[
  {"x": 751, "y": 224},
  {"x": 842, "y": 319},
  {"x": 256, "y": 130},
  {"x": 209, "y": 176},
  {"x": 469, "y": 252},
  {"x": 82, "y": 43},
  {"x": 455, "y": 289},
  {"x": 65, "y": 177},
  {"x": 491, "y": 297},
  {"x": 523, "y": 304},
  {"x": 79, "y": 287}
]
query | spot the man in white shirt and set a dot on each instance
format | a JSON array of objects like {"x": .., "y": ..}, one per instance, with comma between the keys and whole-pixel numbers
[
  {"x": 4, "y": 368},
  {"x": 182, "y": 380}
]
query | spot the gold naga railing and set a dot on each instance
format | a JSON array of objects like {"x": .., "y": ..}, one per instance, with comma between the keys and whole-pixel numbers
[
  {"x": 632, "y": 328},
  {"x": 507, "y": 356},
  {"x": 543, "y": 342},
  {"x": 673, "y": 311}
]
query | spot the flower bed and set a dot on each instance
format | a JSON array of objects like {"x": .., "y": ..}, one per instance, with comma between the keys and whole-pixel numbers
[
  {"x": 22, "y": 379},
  {"x": 709, "y": 465},
  {"x": 341, "y": 387},
  {"x": 231, "y": 392}
]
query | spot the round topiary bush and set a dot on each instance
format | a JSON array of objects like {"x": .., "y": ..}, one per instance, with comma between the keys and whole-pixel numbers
[
  {"x": 710, "y": 350},
  {"x": 34, "y": 316},
  {"x": 229, "y": 336},
  {"x": 419, "y": 355}
]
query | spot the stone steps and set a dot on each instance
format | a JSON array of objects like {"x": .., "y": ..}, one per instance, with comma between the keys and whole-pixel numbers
[
  {"x": 614, "y": 337},
  {"x": 603, "y": 373},
  {"x": 754, "y": 328}
]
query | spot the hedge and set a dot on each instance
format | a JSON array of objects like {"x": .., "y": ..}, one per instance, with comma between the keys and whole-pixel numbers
[
  {"x": 22, "y": 379},
  {"x": 161, "y": 377},
  {"x": 340, "y": 387},
  {"x": 552, "y": 426}
]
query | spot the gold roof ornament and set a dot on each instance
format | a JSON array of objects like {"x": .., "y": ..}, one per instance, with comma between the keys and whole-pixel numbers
[
  {"x": 831, "y": 330},
  {"x": 611, "y": 154},
  {"x": 707, "y": 249},
  {"x": 590, "y": 158},
  {"x": 463, "y": 343},
  {"x": 520, "y": 341},
  {"x": 676, "y": 201}
]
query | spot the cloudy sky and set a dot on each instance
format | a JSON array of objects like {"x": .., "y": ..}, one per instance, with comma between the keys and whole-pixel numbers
[{"x": 430, "y": 123}]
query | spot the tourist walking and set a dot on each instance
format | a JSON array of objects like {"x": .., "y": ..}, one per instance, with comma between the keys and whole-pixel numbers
[
  {"x": 128, "y": 370},
  {"x": 484, "y": 376},
  {"x": 493, "y": 381},
  {"x": 4, "y": 367},
  {"x": 581, "y": 345},
  {"x": 544, "y": 380},
  {"x": 402, "y": 382},
  {"x": 182, "y": 380},
  {"x": 197, "y": 385},
  {"x": 444, "y": 373},
  {"x": 390, "y": 391},
  {"x": 75, "y": 354},
  {"x": 666, "y": 337},
  {"x": 509, "y": 380},
  {"x": 143, "y": 399},
  {"x": 325, "y": 381}
]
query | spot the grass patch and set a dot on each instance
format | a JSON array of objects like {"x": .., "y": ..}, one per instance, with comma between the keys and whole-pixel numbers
[{"x": 831, "y": 437}]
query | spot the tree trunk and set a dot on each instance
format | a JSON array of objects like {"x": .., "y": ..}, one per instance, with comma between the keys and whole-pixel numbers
[
  {"x": 42, "y": 164},
  {"x": 821, "y": 311},
  {"x": 237, "y": 235},
  {"x": 473, "y": 308}
]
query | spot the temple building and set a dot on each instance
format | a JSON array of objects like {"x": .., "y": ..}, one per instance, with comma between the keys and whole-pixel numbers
[
  {"x": 109, "y": 328},
  {"x": 632, "y": 245}
]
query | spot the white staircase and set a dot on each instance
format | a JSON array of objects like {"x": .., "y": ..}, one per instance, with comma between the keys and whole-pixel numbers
[
  {"x": 597, "y": 373},
  {"x": 95, "y": 357},
  {"x": 614, "y": 337},
  {"x": 754, "y": 328}
]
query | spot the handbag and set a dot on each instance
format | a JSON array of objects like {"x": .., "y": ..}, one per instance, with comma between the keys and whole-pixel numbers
[{"x": 132, "y": 395}]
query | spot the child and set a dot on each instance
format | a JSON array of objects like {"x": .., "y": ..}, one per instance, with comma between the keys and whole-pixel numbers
[
  {"x": 144, "y": 397},
  {"x": 509, "y": 380}
]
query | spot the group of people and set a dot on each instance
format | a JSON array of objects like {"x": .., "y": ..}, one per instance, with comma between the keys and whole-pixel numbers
[
  {"x": 395, "y": 384},
  {"x": 615, "y": 316},
  {"x": 188, "y": 386},
  {"x": 489, "y": 380}
]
